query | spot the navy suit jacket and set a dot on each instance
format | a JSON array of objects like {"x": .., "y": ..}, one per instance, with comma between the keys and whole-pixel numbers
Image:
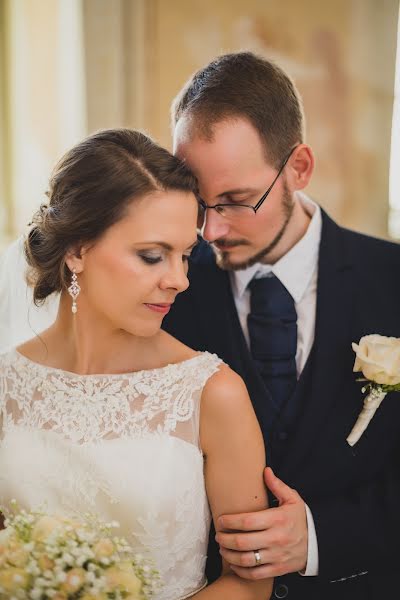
[{"x": 353, "y": 492}]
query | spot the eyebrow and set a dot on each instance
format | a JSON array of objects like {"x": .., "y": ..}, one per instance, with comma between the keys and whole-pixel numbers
[
  {"x": 236, "y": 191},
  {"x": 165, "y": 245}
]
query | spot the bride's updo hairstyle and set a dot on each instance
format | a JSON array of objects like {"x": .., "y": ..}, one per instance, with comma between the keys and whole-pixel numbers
[{"x": 90, "y": 190}]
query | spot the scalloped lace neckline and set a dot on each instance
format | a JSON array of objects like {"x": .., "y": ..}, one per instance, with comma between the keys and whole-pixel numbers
[{"x": 19, "y": 356}]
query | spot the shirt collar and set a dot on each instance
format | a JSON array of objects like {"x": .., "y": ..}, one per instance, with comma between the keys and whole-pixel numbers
[{"x": 295, "y": 269}]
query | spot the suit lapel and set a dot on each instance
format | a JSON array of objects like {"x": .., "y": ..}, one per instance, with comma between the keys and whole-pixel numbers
[{"x": 331, "y": 352}]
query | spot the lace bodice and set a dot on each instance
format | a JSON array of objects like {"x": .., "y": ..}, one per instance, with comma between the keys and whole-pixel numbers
[{"x": 123, "y": 446}]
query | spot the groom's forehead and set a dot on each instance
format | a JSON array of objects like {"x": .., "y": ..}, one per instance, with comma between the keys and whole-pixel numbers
[
  {"x": 185, "y": 131},
  {"x": 233, "y": 148}
]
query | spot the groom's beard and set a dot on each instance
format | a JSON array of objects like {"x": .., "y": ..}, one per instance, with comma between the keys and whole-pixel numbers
[{"x": 222, "y": 258}]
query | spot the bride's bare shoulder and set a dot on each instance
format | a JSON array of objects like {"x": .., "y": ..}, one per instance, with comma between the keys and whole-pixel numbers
[
  {"x": 227, "y": 415},
  {"x": 224, "y": 388},
  {"x": 39, "y": 345},
  {"x": 34, "y": 349}
]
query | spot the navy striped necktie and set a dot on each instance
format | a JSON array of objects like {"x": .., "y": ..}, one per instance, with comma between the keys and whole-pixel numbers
[{"x": 272, "y": 324}]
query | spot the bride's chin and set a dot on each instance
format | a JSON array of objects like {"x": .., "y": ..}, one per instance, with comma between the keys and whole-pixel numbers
[{"x": 144, "y": 330}]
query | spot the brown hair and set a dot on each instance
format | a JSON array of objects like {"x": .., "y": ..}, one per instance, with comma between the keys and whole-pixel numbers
[
  {"x": 244, "y": 85},
  {"x": 90, "y": 188}
]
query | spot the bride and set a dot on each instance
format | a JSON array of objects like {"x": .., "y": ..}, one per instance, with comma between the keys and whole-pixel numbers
[{"x": 105, "y": 412}]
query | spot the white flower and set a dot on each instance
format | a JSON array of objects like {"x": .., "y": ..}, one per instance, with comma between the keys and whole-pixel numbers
[
  {"x": 54, "y": 557},
  {"x": 118, "y": 579},
  {"x": 13, "y": 579},
  {"x": 378, "y": 357},
  {"x": 104, "y": 548},
  {"x": 45, "y": 527}
]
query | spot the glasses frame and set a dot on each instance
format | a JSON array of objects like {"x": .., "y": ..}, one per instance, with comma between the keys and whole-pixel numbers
[{"x": 260, "y": 202}]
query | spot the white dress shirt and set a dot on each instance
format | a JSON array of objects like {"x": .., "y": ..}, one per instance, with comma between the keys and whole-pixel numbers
[{"x": 297, "y": 270}]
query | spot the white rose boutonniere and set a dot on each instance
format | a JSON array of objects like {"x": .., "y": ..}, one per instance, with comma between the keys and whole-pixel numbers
[{"x": 378, "y": 358}]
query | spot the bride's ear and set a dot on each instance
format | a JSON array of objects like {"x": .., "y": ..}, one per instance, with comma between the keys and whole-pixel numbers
[{"x": 74, "y": 259}]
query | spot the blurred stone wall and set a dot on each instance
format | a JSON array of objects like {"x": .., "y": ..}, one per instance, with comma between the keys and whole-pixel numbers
[
  {"x": 136, "y": 54},
  {"x": 340, "y": 53}
]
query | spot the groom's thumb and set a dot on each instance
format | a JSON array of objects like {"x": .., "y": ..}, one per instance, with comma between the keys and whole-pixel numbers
[{"x": 280, "y": 490}]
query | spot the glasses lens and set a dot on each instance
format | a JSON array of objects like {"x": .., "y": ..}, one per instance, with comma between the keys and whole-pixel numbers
[
  {"x": 228, "y": 211},
  {"x": 235, "y": 211}
]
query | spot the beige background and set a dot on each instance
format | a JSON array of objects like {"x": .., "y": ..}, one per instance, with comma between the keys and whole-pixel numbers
[{"x": 69, "y": 67}]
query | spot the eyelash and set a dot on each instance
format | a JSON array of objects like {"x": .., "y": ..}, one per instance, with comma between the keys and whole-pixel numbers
[
  {"x": 150, "y": 260},
  {"x": 153, "y": 260}
]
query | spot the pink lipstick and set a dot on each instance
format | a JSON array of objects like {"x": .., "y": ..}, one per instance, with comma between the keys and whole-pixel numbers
[{"x": 160, "y": 308}]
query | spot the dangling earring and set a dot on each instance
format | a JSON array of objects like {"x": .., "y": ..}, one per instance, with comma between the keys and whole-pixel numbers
[{"x": 74, "y": 290}]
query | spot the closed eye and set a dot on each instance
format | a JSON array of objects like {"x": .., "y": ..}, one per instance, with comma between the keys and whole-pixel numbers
[
  {"x": 237, "y": 200},
  {"x": 149, "y": 259}
]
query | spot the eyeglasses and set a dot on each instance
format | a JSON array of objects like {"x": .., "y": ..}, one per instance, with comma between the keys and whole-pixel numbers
[{"x": 236, "y": 211}]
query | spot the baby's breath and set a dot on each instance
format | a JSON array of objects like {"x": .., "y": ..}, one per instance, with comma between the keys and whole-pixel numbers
[{"x": 62, "y": 557}]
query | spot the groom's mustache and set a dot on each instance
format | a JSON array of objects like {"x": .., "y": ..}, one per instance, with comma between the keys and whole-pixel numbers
[{"x": 223, "y": 244}]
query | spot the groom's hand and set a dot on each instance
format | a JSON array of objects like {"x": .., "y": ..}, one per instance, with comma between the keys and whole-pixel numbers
[{"x": 279, "y": 535}]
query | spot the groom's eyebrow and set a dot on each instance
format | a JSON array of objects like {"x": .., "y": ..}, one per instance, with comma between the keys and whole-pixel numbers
[{"x": 244, "y": 190}]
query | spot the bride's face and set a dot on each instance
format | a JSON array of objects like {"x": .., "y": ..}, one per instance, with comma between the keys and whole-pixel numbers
[{"x": 130, "y": 277}]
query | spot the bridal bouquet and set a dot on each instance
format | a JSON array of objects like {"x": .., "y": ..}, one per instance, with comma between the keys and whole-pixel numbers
[
  {"x": 45, "y": 557},
  {"x": 378, "y": 358}
]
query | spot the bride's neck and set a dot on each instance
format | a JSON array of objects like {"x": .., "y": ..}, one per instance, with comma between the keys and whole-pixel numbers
[{"x": 83, "y": 344}]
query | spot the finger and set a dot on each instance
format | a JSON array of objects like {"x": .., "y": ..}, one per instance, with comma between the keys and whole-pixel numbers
[
  {"x": 256, "y": 573},
  {"x": 248, "y": 559},
  {"x": 283, "y": 492},
  {"x": 256, "y": 521},
  {"x": 241, "y": 541},
  {"x": 240, "y": 559},
  {"x": 262, "y": 572}
]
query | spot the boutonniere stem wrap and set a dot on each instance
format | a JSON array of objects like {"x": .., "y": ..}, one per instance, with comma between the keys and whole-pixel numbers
[{"x": 378, "y": 358}]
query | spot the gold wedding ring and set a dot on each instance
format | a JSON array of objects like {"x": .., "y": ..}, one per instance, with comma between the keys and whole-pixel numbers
[{"x": 257, "y": 556}]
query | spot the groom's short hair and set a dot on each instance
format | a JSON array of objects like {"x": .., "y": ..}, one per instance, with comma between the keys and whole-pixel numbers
[{"x": 244, "y": 85}]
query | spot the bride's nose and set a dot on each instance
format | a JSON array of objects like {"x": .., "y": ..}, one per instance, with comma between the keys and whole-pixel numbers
[{"x": 176, "y": 276}]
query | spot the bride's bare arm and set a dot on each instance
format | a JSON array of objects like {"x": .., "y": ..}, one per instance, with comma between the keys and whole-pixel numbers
[{"x": 234, "y": 460}]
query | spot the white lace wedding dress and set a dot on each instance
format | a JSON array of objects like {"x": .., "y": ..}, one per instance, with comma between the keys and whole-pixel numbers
[{"x": 123, "y": 446}]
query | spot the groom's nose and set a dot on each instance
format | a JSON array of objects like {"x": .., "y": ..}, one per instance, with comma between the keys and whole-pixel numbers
[{"x": 215, "y": 226}]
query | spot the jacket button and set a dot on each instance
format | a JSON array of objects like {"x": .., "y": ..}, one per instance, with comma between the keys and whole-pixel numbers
[{"x": 281, "y": 591}]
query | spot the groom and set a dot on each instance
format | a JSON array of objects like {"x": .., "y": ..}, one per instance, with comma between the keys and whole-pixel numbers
[{"x": 280, "y": 291}]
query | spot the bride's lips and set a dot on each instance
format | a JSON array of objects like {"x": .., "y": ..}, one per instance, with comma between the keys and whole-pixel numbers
[{"x": 159, "y": 308}]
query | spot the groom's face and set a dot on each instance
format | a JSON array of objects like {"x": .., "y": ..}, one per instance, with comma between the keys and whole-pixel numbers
[{"x": 231, "y": 167}]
